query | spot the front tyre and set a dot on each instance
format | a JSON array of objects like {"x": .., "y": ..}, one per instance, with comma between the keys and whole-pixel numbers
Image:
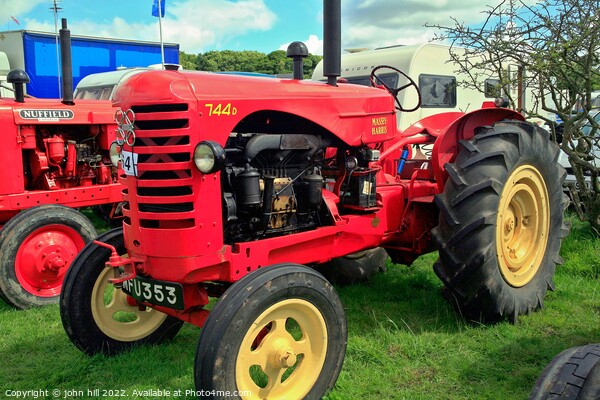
[
  {"x": 280, "y": 332},
  {"x": 37, "y": 247},
  {"x": 97, "y": 316},
  {"x": 501, "y": 222}
]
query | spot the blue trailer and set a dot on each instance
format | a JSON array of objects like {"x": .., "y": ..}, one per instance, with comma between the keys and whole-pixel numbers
[{"x": 36, "y": 53}]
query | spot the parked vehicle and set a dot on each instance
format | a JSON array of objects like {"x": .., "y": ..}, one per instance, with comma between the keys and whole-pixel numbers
[
  {"x": 595, "y": 100},
  {"x": 591, "y": 139},
  {"x": 235, "y": 186},
  {"x": 55, "y": 159},
  {"x": 102, "y": 85},
  {"x": 441, "y": 84}
]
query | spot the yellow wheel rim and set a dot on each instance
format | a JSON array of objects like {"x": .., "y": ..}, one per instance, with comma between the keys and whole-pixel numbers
[
  {"x": 283, "y": 352},
  {"x": 522, "y": 225},
  {"x": 118, "y": 319}
]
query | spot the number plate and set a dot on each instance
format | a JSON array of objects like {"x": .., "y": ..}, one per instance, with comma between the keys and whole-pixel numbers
[
  {"x": 160, "y": 293},
  {"x": 129, "y": 162}
]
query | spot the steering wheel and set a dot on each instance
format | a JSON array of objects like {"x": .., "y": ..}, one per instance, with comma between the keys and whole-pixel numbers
[{"x": 395, "y": 91}]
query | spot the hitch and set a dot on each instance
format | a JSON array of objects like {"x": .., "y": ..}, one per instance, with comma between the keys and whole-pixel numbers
[{"x": 115, "y": 261}]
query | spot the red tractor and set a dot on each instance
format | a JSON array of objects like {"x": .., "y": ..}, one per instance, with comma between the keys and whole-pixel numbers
[
  {"x": 55, "y": 158},
  {"x": 235, "y": 187}
]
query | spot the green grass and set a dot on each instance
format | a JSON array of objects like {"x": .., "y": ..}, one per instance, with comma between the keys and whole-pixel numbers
[{"x": 405, "y": 341}]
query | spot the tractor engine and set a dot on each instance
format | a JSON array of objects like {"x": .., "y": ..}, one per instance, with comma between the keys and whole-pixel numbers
[
  {"x": 65, "y": 160},
  {"x": 272, "y": 185}
]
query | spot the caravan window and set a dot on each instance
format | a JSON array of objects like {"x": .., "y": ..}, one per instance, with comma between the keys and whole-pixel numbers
[
  {"x": 437, "y": 91},
  {"x": 391, "y": 80},
  {"x": 492, "y": 88}
]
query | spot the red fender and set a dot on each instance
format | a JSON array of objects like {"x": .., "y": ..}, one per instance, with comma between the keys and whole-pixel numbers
[{"x": 446, "y": 146}]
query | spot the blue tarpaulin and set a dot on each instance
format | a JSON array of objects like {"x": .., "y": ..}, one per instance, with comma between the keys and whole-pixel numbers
[{"x": 89, "y": 56}]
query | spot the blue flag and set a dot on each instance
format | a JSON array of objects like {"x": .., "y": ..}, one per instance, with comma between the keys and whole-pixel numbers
[{"x": 155, "y": 8}]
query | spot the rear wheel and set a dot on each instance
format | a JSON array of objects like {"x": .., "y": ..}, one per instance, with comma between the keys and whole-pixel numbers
[
  {"x": 36, "y": 248},
  {"x": 501, "y": 222},
  {"x": 98, "y": 317},
  {"x": 280, "y": 332}
]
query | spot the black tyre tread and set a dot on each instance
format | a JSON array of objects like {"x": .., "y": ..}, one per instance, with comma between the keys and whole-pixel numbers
[
  {"x": 75, "y": 303},
  {"x": 242, "y": 295},
  {"x": 591, "y": 387},
  {"x": 16, "y": 230},
  {"x": 354, "y": 269},
  {"x": 568, "y": 373},
  {"x": 2, "y": 296},
  {"x": 468, "y": 209}
]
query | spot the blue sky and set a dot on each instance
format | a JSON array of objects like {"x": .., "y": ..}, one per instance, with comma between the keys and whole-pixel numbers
[{"x": 263, "y": 25}]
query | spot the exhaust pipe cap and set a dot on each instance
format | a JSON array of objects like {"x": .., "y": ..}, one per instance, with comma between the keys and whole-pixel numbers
[{"x": 18, "y": 78}]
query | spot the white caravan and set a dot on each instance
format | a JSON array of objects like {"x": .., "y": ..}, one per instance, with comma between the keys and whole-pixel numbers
[{"x": 430, "y": 66}]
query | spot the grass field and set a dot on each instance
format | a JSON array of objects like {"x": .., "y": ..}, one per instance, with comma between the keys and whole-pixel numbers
[{"x": 405, "y": 342}]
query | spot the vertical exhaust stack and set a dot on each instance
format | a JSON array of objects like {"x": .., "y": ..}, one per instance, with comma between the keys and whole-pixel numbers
[
  {"x": 66, "y": 62},
  {"x": 332, "y": 40}
]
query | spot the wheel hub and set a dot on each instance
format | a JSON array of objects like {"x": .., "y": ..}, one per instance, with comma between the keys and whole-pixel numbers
[
  {"x": 285, "y": 357},
  {"x": 52, "y": 260},
  {"x": 44, "y": 256},
  {"x": 522, "y": 225}
]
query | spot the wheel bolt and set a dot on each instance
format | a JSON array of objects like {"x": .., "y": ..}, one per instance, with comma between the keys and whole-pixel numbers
[
  {"x": 285, "y": 357},
  {"x": 288, "y": 359}
]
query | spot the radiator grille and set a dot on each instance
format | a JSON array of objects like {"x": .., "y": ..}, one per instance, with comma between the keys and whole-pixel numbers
[{"x": 163, "y": 186}]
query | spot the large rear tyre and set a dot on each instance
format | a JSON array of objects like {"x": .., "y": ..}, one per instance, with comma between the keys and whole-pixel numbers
[
  {"x": 501, "y": 222},
  {"x": 97, "y": 316},
  {"x": 572, "y": 375},
  {"x": 36, "y": 248},
  {"x": 279, "y": 332}
]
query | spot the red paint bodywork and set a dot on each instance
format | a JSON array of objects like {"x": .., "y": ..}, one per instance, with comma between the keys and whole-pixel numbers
[
  {"x": 27, "y": 178},
  {"x": 186, "y": 246}
]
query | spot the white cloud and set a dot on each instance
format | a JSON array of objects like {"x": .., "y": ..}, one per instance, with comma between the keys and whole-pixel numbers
[
  {"x": 377, "y": 23},
  {"x": 194, "y": 24},
  {"x": 380, "y": 23},
  {"x": 200, "y": 25},
  {"x": 12, "y": 8}
]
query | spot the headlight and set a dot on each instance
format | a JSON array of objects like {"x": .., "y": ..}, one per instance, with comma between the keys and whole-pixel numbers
[
  {"x": 209, "y": 157},
  {"x": 115, "y": 153}
]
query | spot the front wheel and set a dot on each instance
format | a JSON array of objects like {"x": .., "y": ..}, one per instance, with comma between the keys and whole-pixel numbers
[
  {"x": 37, "y": 247},
  {"x": 280, "y": 332},
  {"x": 98, "y": 317},
  {"x": 501, "y": 222}
]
